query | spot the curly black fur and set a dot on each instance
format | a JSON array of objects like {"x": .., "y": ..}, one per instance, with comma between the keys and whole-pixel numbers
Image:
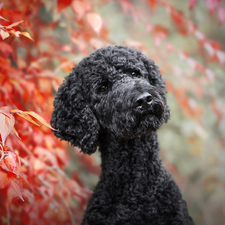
[{"x": 115, "y": 99}]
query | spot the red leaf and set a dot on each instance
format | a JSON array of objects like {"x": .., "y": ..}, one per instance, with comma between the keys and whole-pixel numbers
[
  {"x": 10, "y": 162},
  {"x": 6, "y": 125},
  {"x": 221, "y": 14},
  {"x": 3, "y": 18},
  {"x": 152, "y": 3},
  {"x": 66, "y": 48},
  {"x": 95, "y": 21},
  {"x": 25, "y": 182},
  {"x": 43, "y": 206},
  {"x": 1, "y": 4},
  {"x": 6, "y": 49},
  {"x": 63, "y": 4},
  {"x": 3, "y": 179},
  {"x": 16, "y": 184},
  {"x": 61, "y": 154},
  {"x": 177, "y": 16},
  {"x": 215, "y": 45},
  {"x": 80, "y": 8},
  {"x": 192, "y": 4},
  {"x": 39, "y": 167},
  {"x": 160, "y": 30},
  {"x": 46, "y": 156},
  {"x": 14, "y": 24},
  {"x": 212, "y": 4}
]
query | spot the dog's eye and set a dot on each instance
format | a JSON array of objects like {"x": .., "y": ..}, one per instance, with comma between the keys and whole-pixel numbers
[
  {"x": 103, "y": 88},
  {"x": 135, "y": 74}
]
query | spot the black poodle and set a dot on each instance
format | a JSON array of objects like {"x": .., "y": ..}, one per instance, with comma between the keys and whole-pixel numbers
[{"x": 115, "y": 100}]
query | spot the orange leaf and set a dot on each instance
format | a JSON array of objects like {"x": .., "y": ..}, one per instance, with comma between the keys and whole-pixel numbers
[
  {"x": 15, "y": 132},
  {"x": 24, "y": 115},
  {"x": 6, "y": 125},
  {"x": 160, "y": 29},
  {"x": 26, "y": 34},
  {"x": 16, "y": 33},
  {"x": 95, "y": 21},
  {"x": 39, "y": 118}
]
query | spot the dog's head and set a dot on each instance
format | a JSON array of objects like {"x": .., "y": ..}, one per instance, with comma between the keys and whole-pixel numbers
[{"x": 115, "y": 89}]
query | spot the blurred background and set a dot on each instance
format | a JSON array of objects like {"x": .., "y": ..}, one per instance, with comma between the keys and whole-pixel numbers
[{"x": 185, "y": 38}]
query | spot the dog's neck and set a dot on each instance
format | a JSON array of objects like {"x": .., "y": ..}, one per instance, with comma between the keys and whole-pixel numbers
[{"x": 138, "y": 158}]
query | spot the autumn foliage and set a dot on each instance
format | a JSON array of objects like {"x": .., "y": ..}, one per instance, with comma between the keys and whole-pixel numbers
[{"x": 40, "y": 43}]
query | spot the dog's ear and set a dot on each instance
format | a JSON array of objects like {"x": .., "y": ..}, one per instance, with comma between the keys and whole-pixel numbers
[{"x": 72, "y": 118}]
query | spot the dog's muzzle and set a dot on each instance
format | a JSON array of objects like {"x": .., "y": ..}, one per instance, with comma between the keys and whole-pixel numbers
[{"x": 145, "y": 102}]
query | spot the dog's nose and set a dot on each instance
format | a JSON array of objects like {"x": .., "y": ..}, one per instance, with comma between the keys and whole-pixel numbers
[{"x": 143, "y": 101}]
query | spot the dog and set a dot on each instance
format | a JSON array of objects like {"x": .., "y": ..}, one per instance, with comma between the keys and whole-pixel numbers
[{"x": 115, "y": 100}]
